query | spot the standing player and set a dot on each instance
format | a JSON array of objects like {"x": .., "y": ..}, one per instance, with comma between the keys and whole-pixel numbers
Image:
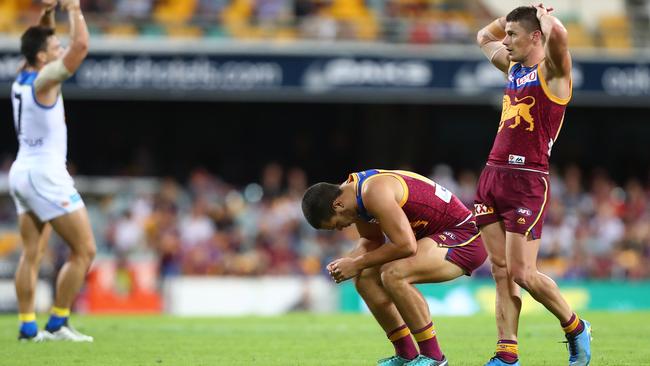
[
  {"x": 530, "y": 46},
  {"x": 39, "y": 182},
  {"x": 432, "y": 237}
]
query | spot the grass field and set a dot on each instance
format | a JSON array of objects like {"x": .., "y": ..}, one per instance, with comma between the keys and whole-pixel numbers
[{"x": 303, "y": 339}]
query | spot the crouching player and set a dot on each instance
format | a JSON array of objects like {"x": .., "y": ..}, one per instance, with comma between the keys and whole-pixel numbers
[{"x": 431, "y": 237}]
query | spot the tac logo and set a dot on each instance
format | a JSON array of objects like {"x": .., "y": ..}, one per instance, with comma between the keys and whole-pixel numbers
[
  {"x": 524, "y": 211},
  {"x": 450, "y": 234},
  {"x": 521, "y": 221},
  {"x": 481, "y": 209},
  {"x": 518, "y": 110}
]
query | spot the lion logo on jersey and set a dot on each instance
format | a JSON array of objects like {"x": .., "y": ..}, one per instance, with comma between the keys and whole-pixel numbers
[{"x": 519, "y": 110}]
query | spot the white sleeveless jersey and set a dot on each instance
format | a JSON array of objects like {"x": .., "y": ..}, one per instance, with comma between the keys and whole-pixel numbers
[{"x": 42, "y": 132}]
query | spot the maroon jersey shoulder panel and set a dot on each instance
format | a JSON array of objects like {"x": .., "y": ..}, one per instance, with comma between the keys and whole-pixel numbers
[{"x": 429, "y": 206}]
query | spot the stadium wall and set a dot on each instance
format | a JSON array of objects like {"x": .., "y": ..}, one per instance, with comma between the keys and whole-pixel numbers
[{"x": 225, "y": 71}]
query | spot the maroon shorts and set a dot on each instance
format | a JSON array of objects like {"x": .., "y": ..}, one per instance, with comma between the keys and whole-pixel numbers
[
  {"x": 516, "y": 197},
  {"x": 466, "y": 248}
]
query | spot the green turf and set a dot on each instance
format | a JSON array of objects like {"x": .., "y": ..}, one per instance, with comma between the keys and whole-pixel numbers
[{"x": 302, "y": 339}]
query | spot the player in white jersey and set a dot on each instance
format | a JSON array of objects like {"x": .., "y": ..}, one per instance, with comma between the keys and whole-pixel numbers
[{"x": 39, "y": 182}]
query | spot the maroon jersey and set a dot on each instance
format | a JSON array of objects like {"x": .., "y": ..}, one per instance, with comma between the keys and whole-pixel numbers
[
  {"x": 530, "y": 121},
  {"x": 429, "y": 207}
]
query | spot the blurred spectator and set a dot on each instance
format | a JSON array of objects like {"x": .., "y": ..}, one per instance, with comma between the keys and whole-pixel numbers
[{"x": 208, "y": 227}]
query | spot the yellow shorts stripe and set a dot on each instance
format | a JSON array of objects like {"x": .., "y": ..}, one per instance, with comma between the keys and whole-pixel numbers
[{"x": 541, "y": 210}]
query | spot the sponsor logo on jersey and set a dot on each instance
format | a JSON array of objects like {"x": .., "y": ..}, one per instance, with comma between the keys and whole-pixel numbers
[
  {"x": 523, "y": 211},
  {"x": 481, "y": 209},
  {"x": 450, "y": 234},
  {"x": 33, "y": 142},
  {"x": 516, "y": 159},
  {"x": 528, "y": 78},
  {"x": 521, "y": 221}
]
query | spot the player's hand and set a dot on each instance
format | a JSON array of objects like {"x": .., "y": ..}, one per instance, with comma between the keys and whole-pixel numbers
[
  {"x": 49, "y": 4},
  {"x": 343, "y": 269},
  {"x": 541, "y": 10},
  {"x": 70, "y": 4}
]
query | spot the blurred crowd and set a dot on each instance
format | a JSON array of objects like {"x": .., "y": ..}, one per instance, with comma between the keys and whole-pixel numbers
[
  {"x": 594, "y": 228},
  {"x": 399, "y": 21}
]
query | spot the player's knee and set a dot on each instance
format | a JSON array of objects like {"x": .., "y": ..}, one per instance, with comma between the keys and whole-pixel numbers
[
  {"x": 31, "y": 257},
  {"x": 363, "y": 281},
  {"x": 522, "y": 278},
  {"x": 499, "y": 273},
  {"x": 86, "y": 253},
  {"x": 391, "y": 275}
]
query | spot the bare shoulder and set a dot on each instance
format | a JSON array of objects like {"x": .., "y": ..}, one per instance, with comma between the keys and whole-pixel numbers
[{"x": 381, "y": 190}]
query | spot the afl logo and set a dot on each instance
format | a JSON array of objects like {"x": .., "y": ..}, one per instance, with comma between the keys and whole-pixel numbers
[
  {"x": 450, "y": 234},
  {"x": 524, "y": 211}
]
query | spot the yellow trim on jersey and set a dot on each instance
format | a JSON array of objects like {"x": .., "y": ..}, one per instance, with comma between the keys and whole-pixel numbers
[
  {"x": 399, "y": 334},
  {"x": 391, "y": 173},
  {"x": 461, "y": 244},
  {"x": 547, "y": 91},
  {"x": 541, "y": 210},
  {"x": 354, "y": 178},
  {"x": 412, "y": 175},
  {"x": 559, "y": 128},
  {"x": 512, "y": 64}
]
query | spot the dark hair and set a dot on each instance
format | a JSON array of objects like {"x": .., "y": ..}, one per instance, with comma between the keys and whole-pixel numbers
[
  {"x": 33, "y": 41},
  {"x": 317, "y": 203},
  {"x": 526, "y": 16}
]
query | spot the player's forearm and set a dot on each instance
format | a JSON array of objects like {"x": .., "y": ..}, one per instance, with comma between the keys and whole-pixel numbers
[
  {"x": 552, "y": 29},
  {"x": 384, "y": 254},
  {"x": 78, "y": 30},
  {"x": 492, "y": 32},
  {"x": 47, "y": 18},
  {"x": 363, "y": 246}
]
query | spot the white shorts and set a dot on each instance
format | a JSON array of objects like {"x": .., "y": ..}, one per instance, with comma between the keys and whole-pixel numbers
[{"x": 47, "y": 192}]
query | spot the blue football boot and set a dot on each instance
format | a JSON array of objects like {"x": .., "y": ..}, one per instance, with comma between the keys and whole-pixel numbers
[
  {"x": 496, "y": 361},
  {"x": 580, "y": 346},
  {"x": 393, "y": 361},
  {"x": 422, "y": 360}
]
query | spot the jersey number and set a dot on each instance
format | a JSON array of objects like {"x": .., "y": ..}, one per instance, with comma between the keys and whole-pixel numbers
[{"x": 20, "y": 112}]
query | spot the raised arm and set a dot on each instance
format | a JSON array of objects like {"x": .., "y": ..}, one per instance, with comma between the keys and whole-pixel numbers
[
  {"x": 50, "y": 78},
  {"x": 47, "y": 14},
  {"x": 78, "y": 48},
  {"x": 556, "y": 48},
  {"x": 489, "y": 38}
]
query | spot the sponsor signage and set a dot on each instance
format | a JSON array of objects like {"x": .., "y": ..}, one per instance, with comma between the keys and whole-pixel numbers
[{"x": 246, "y": 76}]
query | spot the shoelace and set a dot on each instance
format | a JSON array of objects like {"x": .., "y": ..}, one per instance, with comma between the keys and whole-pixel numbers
[{"x": 572, "y": 345}]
